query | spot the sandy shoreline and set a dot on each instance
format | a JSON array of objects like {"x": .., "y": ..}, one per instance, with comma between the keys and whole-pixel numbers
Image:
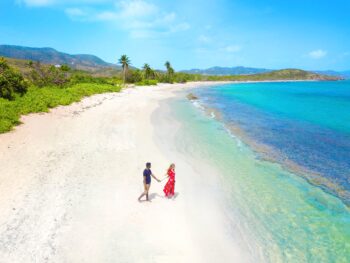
[{"x": 70, "y": 179}]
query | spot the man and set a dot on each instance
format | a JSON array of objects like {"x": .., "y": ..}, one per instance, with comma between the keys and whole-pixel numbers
[{"x": 147, "y": 173}]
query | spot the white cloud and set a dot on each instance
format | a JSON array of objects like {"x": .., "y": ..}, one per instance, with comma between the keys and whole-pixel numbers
[
  {"x": 136, "y": 9},
  {"x": 140, "y": 18},
  {"x": 317, "y": 54},
  {"x": 43, "y": 3},
  {"x": 223, "y": 50},
  {"x": 204, "y": 39},
  {"x": 105, "y": 16},
  {"x": 180, "y": 27},
  {"x": 232, "y": 48},
  {"x": 141, "y": 33},
  {"x": 75, "y": 12},
  {"x": 37, "y": 2}
]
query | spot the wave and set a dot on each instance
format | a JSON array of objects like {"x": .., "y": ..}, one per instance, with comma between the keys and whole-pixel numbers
[{"x": 313, "y": 164}]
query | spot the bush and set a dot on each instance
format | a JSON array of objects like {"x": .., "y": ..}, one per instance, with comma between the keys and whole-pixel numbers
[
  {"x": 65, "y": 68},
  {"x": 182, "y": 77},
  {"x": 86, "y": 78},
  {"x": 134, "y": 76},
  {"x": 42, "y": 99},
  {"x": 11, "y": 81},
  {"x": 165, "y": 78},
  {"x": 147, "y": 82},
  {"x": 44, "y": 75}
]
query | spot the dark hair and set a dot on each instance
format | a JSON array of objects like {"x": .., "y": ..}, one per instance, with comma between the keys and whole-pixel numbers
[{"x": 148, "y": 164}]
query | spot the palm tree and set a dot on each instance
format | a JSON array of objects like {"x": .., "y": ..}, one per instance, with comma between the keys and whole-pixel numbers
[
  {"x": 169, "y": 68},
  {"x": 167, "y": 65},
  {"x": 125, "y": 62},
  {"x": 147, "y": 70},
  {"x": 170, "y": 72}
]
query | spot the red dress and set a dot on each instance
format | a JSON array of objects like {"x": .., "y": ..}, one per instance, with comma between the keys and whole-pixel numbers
[{"x": 169, "y": 187}]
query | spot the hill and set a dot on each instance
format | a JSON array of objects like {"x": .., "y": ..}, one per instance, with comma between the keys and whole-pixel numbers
[
  {"x": 291, "y": 74},
  {"x": 23, "y": 66},
  {"x": 52, "y": 56},
  {"x": 283, "y": 74},
  {"x": 227, "y": 71},
  {"x": 342, "y": 74},
  {"x": 224, "y": 71}
]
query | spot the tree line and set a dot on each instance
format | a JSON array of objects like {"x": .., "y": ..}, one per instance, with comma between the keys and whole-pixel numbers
[{"x": 148, "y": 76}]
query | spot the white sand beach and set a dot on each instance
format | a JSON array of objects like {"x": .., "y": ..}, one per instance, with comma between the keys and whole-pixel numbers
[{"x": 70, "y": 180}]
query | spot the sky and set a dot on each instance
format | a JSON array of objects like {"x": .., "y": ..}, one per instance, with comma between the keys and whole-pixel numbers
[{"x": 274, "y": 34}]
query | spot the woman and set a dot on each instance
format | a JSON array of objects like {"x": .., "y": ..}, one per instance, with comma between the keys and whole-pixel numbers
[{"x": 169, "y": 187}]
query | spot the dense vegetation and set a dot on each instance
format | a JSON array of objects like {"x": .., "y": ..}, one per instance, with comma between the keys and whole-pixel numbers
[
  {"x": 40, "y": 87},
  {"x": 148, "y": 76},
  {"x": 42, "y": 99},
  {"x": 11, "y": 81}
]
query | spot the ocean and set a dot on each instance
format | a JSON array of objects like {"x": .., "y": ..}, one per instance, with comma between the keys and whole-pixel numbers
[
  {"x": 282, "y": 150},
  {"x": 304, "y": 126}
]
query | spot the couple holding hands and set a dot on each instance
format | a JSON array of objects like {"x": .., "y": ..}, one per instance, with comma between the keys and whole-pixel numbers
[{"x": 169, "y": 187}]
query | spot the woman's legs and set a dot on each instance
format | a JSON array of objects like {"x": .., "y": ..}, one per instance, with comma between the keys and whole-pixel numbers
[{"x": 173, "y": 189}]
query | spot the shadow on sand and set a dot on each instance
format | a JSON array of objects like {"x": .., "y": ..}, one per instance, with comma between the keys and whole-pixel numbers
[{"x": 155, "y": 195}]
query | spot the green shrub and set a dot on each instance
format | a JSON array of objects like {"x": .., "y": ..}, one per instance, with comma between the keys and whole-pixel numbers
[
  {"x": 86, "y": 78},
  {"x": 65, "y": 68},
  {"x": 134, "y": 76},
  {"x": 11, "y": 81},
  {"x": 165, "y": 78},
  {"x": 147, "y": 82},
  {"x": 42, "y": 99},
  {"x": 44, "y": 75},
  {"x": 77, "y": 78}
]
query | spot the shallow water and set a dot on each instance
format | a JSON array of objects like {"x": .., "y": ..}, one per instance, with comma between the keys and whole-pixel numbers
[
  {"x": 284, "y": 217},
  {"x": 303, "y": 125}
]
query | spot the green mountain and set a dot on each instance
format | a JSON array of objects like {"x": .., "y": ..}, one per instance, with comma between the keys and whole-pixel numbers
[
  {"x": 294, "y": 74},
  {"x": 276, "y": 75},
  {"x": 22, "y": 65},
  {"x": 224, "y": 71},
  {"x": 52, "y": 56},
  {"x": 227, "y": 71},
  {"x": 343, "y": 74}
]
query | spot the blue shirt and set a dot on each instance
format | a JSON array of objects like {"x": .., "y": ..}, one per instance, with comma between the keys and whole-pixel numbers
[{"x": 147, "y": 173}]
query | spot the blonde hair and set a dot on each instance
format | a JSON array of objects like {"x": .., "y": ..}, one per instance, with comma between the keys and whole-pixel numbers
[{"x": 171, "y": 166}]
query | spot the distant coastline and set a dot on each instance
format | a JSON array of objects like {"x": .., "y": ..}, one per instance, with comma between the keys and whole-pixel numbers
[{"x": 97, "y": 66}]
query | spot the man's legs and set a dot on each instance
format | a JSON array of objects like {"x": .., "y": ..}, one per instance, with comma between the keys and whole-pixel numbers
[
  {"x": 145, "y": 193},
  {"x": 147, "y": 186}
]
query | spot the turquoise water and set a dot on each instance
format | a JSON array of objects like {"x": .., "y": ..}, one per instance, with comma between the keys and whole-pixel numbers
[
  {"x": 303, "y": 125},
  {"x": 324, "y": 103},
  {"x": 288, "y": 219}
]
